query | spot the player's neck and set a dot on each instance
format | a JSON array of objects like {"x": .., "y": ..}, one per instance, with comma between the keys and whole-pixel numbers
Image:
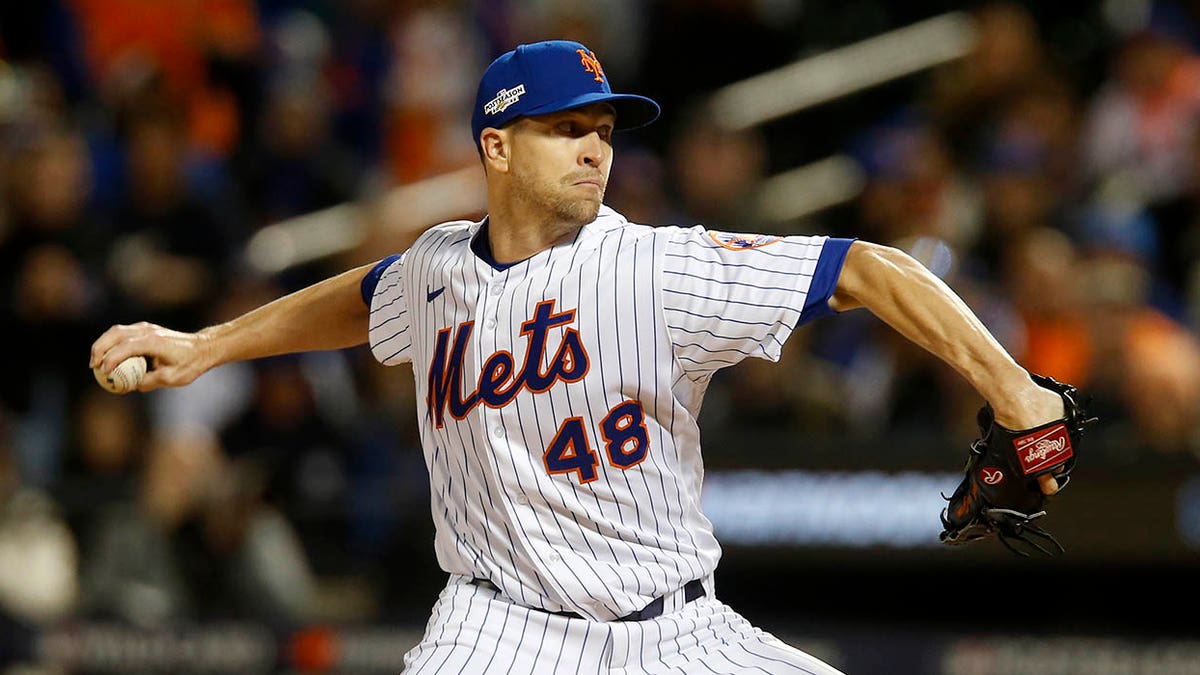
[{"x": 515, "y": 236}]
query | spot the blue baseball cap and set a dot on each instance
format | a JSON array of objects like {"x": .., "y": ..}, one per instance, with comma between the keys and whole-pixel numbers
[{"x": 546, "y": 77}]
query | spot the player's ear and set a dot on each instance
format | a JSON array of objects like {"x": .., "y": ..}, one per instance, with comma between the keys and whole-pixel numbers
[{"x": 494, "y": 147}]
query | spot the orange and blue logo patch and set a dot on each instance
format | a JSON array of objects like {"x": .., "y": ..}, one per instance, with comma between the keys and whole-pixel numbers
[
  {"x": 742, "y": 242},
  {"x": 591, "y": 64}
]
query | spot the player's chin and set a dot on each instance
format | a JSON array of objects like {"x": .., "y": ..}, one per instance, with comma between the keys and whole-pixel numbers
[
  {"x": 580, "y": 211},
  {"x": 591, "y": 210}
]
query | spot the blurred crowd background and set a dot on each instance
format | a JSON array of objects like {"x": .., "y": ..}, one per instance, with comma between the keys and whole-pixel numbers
[{"x": 1051, "y": 176}]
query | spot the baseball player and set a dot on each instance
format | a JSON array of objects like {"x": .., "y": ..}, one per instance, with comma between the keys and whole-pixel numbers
[{"x": 561, "y": 355}]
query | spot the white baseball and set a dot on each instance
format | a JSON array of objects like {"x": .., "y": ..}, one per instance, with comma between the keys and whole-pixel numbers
[{"x": 125, "y": 377}]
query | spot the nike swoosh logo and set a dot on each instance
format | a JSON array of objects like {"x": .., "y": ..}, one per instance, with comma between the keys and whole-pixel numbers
[{"x": 430, "y": 296}]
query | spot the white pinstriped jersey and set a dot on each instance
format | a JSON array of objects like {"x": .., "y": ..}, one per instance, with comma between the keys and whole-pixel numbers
[{"x": 558, "y": 397}]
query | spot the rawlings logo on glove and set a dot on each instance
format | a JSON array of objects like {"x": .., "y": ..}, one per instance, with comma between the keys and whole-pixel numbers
[
  {"x": 1049, "y": 448},
  {"x": 999, "y": 493}
]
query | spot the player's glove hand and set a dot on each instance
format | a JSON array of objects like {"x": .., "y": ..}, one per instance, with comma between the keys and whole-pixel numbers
[{"x": 999, "y": 493}]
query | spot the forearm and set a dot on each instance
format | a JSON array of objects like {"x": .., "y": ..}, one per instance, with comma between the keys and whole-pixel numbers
[
  {"x": 326, "y": 315},
  {"x": 921, "y": 307}
]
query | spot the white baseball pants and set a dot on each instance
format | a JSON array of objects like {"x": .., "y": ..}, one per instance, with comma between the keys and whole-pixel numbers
[{"x": 474, "y": 631}]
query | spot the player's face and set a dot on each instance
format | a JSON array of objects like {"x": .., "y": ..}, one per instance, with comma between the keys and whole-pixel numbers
[{"x": 560, "y": 162}]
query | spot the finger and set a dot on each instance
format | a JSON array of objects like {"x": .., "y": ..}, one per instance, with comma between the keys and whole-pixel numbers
[
  {"x": 151, "y": 380},
  {"x": 118, "y": 353},
  {"x": 161, "y": 374},
  {"x": 105, "y": 342},
  {"x": 119, "y": 343},
  {"x": 1048, "y": 483}
]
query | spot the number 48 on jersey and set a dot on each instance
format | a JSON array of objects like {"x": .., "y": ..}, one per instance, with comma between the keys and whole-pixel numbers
[{"x": 623, "y": 431}]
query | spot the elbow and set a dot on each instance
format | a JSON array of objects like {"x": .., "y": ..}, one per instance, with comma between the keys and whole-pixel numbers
[{"x": 865, "y": 265}]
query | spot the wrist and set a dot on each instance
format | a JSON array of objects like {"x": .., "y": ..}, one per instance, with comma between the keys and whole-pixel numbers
[
  {"x": 207, "y": 347},
  {"x": 1024, "y": 404}
]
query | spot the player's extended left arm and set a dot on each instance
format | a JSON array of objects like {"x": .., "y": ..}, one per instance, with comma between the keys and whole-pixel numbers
[{"x": 908, "y": 297}]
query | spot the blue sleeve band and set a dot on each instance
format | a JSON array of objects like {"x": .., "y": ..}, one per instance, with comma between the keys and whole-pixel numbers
[
  {"x": 370, "y": 281},
  {"x": 825, "y": 278}
]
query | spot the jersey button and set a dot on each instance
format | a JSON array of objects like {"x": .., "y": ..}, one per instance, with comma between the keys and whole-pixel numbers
[
  {"x": 553, "y": 556},
  {"x": 490, "y": 323},
  {"x": 497, "y": 290},
  {"x": 521, "y": 499},
  {"x": 498, "y": 432}
]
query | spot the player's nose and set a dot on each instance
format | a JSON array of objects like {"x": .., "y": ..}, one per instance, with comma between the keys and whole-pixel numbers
[{"x": 592, "y": 150}]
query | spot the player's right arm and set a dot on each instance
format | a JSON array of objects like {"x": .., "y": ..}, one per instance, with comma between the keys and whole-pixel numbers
[{"x": 327, "y": 315}]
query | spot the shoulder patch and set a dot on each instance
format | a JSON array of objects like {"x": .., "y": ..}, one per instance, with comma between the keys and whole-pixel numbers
[{"x": 741, "y": 242}]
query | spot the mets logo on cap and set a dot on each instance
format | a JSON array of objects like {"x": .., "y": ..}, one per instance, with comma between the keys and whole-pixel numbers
[{"x": 590, "y": 63}]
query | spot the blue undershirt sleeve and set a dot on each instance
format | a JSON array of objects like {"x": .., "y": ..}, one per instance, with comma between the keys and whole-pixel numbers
[
  {"x": 370, "y": 281},
  {"x": 824, "y": 281}
]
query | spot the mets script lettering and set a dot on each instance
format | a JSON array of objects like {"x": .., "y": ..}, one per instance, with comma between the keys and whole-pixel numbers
[{"x": 499, "y": 382}]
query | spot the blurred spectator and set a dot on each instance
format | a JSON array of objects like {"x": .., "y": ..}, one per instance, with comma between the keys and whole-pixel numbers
[
  {"x": 162, "y": 229},
  {"x": 1018, "y": 195},
  {"x": 198, "y": 46},
  {"x": 1177, "y": 19},
  {"x": 44, "y": 35},
  {"x": 613, "y": 29},
  {"x": 387, "y": 480},
  {"x": 299, "y": 167},
  {"x": 1139, "y": 123},
  {"x": 966, "y": 95},
  {"x": 1026, "y": 167},
  {"x": 430, "y": 90},
  {"x": 801, "y": 393},
  {"x": 1146, "y": 372},
  {"x": 53, "y": 294},
  {"x": 39, "y": 560},
  {"x": 293, "y": 164},
  {"x": 1055, "y": 338},
  {"x": 896, "y": 387},
  {"x": 714, "y": 172},
  {"x": 1178, "y": 231},
  {"x": 1145, "y": 365},
  {"x": 106, "y": 452},
  {"x": 196, "y": 543},
  {"x": 347, "y": 44},
  {"x": 638, "y": 187},
  {"x": 301, "y": 453},
  {"x": 913, "y": 187},
  {"x": 296, "y": 162},
  {"x": 1128, "y": 231},
  {"x": 132, "y": 571},
  {"x": 695, "y": 46}
]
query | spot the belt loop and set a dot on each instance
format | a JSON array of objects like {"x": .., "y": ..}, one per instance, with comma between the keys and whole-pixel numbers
[{"x": 669, "y": 603}]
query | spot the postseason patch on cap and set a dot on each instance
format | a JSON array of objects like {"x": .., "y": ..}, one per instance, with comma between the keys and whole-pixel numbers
[
  {"x": 742, "y": 242},
  {"x": 503, "y": 99}
]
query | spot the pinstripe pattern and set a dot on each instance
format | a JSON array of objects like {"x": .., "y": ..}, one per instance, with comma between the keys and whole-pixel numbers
[
  {"x": 478, "y": 631},
  {"x": 571, "y": 478}
]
